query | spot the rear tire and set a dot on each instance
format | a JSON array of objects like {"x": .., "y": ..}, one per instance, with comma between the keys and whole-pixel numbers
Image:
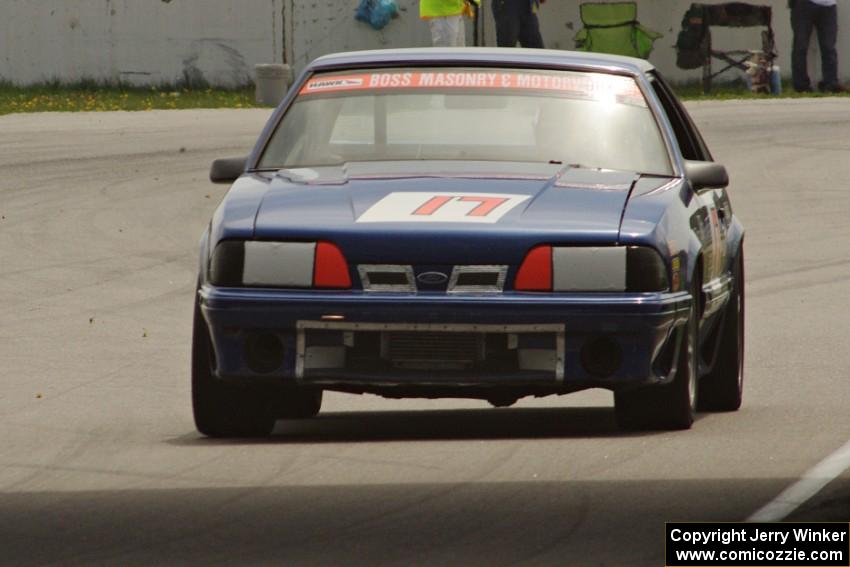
[
  {"x": 670, "y": 406},
  {"x": 221, "y": 409},
  {"x": 723, "y": 388}
]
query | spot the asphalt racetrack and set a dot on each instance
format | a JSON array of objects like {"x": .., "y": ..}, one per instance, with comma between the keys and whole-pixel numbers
[{"x": 100, "y": 462}]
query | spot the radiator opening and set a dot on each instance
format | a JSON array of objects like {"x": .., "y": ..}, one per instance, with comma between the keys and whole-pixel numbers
[{"x": 393, "y": 351}]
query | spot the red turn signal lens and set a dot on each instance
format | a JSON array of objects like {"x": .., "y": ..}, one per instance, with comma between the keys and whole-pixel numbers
[
  {"x": 535, "y": 274},
  {"x": 330, "y": 270}
]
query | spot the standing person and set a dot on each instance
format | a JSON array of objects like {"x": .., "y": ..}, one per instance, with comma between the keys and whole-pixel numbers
[
  {"x": 445, "y": 18},
  {"x": 821, "y": 15},
  {"x": 516, "y": 20}
]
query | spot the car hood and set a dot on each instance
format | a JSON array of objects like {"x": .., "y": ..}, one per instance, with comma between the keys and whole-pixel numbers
[{"x": 452, "y": 211}]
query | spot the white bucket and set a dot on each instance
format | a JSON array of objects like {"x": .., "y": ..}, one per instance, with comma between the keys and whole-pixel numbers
[{"x": 272, "y": 81}]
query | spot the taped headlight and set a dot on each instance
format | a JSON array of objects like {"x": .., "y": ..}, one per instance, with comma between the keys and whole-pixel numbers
[
  {"x": 589, "y": 268},
  {"x": 279, "y": 264},
  {"x": 592, "y": 268}
]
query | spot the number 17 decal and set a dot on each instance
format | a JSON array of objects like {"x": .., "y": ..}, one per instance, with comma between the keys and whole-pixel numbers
[
  {"x": 442, "y": 207},
  {"x": 484, "y": 208}
]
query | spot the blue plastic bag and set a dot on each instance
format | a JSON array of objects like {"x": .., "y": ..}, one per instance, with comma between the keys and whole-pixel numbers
[
  {"x": 377, "y": 13},
  {"x": 364, "y": 10}
]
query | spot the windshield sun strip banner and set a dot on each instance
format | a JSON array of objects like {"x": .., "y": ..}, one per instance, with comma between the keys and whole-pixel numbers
[{"x": 595, "y": 86}]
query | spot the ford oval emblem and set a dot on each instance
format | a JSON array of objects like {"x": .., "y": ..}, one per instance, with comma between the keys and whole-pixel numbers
[{"x": 432, "y": 278}]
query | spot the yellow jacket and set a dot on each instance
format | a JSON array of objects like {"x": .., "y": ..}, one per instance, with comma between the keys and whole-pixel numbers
[{"x": 442, "y": 8}]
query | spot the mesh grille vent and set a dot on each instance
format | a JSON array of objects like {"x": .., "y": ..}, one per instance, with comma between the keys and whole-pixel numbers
[{"x": 433, "y": 347}]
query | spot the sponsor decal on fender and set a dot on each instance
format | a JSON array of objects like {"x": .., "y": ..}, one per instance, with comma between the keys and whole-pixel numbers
[{"x": 442, "y": 207}]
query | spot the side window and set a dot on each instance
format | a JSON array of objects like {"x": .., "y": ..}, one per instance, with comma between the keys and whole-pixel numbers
[{"x": 690, "y": 142}]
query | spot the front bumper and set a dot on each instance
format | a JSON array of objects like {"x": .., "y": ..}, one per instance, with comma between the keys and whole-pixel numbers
[{"x": 642, "y": 326}]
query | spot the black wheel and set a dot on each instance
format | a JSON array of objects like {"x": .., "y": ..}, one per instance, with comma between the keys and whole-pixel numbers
[
  {"x": 671, "y": 406},
  {"x": 222, "y": 409},
  {"x": 723, "y": 388},
  {"x": 298, "y": 402}
]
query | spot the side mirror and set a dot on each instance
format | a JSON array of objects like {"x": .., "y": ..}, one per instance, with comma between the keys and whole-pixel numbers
[
  {"x": 706, "y": 175},
  {"x": 227, "y": 170}
]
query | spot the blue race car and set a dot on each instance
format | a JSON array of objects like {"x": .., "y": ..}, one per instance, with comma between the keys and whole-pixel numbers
[{"x": 472, "y": 223}]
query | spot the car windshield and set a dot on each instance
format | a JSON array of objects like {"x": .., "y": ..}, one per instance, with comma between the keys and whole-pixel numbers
[{"x": 592, "y": 120}]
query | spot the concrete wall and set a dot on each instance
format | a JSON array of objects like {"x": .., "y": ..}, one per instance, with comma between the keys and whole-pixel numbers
[
  {"x": 138, "y": 41},
  {"x": 319, "y": 27},
  {"x": 219, "y": 41}
]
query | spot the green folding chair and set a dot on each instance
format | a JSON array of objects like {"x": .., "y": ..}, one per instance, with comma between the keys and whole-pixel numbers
[{"x": 612, "y": 27}]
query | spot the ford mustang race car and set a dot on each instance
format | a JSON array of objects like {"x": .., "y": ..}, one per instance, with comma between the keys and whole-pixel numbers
[{"x": 473, "y": 223}]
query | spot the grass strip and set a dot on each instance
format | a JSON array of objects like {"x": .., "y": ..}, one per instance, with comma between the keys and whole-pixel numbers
[
  {"x": 737, "y": 90},
  {"x": 88, "y": 98}
]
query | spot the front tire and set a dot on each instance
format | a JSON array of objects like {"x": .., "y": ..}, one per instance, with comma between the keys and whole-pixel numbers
[
  {"x": 298, "y": 402},
  {"x": 723, "y": 388},
  {"x": 670, "y": 406},
  {"x": 221, "y": 409}
]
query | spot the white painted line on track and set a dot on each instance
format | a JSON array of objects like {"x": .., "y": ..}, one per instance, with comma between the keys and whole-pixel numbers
[{"x": 809, "y": 484}]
